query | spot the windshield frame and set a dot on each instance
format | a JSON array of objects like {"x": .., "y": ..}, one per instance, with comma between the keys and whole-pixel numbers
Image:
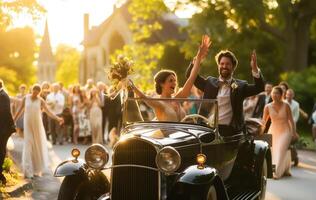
[{"x": 125, "y": 122}]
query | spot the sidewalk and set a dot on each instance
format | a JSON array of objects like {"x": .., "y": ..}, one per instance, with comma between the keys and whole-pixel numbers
[{"x": 39, "y": 188}]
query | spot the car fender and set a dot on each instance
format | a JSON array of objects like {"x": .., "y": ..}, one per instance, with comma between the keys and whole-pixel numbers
[
  {"x": 262, "y": 151},
  {"x": 199, "y": 179},
  {"x": 249, "y": 161},
  {"x": 69, "y": 167}
]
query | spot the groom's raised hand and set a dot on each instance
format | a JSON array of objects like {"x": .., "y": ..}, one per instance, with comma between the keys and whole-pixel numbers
[{"x": 253, "y": 62}]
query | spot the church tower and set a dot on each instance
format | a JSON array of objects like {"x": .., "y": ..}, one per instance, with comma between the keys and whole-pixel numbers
[{"x": 46, "y": 67}]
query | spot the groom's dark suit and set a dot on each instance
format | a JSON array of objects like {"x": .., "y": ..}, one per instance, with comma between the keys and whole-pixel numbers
[
  {"x": 6, "y": 126},
  {"x": 242, "y": 89}
]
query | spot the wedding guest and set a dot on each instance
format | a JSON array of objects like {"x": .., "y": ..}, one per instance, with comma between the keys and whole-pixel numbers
[
  {"x": 75, "y": 102},
  {"x": 17, "y": 105},
  {"x": 56, "y": 102},
  {"x": 295, "y": 108},
  {"x": 249, "y": 106},
  {"x": 35, "y": 160},
  {"x": 284, "y": 86},
  {"x": 95, "y": 116},
  {"x": 313, "y": 117},
  {"x": 282, "y": 129},
  {"x": 102, "y": 88}
]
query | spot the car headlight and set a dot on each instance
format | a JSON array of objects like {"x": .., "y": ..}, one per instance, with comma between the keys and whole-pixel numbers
[
  {"x": 168, "y": 160},
  {"x": 96, "y": 156}
]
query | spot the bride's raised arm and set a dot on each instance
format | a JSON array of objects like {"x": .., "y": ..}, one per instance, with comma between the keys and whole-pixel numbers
[{"x": 201, "y": 54}]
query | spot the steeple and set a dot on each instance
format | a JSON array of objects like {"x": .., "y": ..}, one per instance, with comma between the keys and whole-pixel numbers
[
  {"x": 46, "y": 61},
  {"x": 45, "y": 53}
]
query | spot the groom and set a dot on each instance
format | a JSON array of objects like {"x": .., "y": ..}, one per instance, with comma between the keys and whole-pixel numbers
[
  {"x": 6, "y": 127},
  {"x": 229, "y": 92}
]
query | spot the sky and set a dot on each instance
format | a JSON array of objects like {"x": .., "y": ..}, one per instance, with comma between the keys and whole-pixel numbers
[{"x": 65, "y": 18}]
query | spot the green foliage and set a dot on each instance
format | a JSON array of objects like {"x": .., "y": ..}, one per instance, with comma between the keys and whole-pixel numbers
[
  {"x": 173, "y": 59},
  {"x": 7, "y": 164},
  {"x": 12, "y": 8},
  {"x": 68, "y": 60},
  {"x": 304, "y": 85},
  {"x": 17, "y": 45},
  {"x": 145, "y": 59},
  {"x": 145, "y": 16},
  {"x": 271, "y": 27},
  {"x": 228, "y": 32}
]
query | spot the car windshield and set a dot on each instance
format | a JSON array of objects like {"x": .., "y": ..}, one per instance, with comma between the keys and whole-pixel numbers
[{"x": 193, "y": 111}]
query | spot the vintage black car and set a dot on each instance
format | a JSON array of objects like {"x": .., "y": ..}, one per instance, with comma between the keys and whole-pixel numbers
[{"x": 180, "y": 159}]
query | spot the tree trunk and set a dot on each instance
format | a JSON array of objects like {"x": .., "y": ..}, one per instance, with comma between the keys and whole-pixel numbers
[{"x": 296, "y": 46}]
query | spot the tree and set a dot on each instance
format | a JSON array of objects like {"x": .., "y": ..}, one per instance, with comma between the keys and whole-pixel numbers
[
  {"x": 68, "y": 59},
  {"x": 17, "y": 44},
  {"x": 17, "y": 54},
  {"x": 9, "y": 9},
  {"x": 285, "y": 21}
]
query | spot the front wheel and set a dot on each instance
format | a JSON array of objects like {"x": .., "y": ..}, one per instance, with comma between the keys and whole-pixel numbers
[
  {"x": 70, "y": 187},
  {"x": 81, "y": 187}
]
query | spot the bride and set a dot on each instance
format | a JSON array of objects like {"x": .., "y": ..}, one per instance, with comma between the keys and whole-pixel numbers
[
  {"x": 166, "y": 83},
  {"x": 35, "y": 160}
]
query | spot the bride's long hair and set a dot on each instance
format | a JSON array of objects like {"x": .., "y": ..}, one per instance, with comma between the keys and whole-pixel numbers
[{"x": 161, "y": 77}]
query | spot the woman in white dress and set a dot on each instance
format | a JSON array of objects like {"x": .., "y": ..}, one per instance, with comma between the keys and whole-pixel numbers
[
  {"x": 166, "y": 83},
  {"x": 282, "y": 129},
  {"x": 35, "y": 159},
  {"x": 95, "y": 116}
]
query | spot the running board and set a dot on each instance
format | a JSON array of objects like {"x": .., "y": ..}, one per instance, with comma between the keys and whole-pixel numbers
[{"x": 250, "y": 194}]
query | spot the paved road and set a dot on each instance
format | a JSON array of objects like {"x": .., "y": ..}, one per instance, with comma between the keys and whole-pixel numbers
[{"x": 300, "y": 186}]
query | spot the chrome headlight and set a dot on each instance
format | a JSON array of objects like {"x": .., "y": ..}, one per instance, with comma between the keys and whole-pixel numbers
[
  {"x": 168, "y": 160},
  {"x": 96, "y": 156}
]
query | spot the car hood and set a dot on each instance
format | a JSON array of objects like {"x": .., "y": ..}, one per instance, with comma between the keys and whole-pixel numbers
[{"x": 166, "y": 134}]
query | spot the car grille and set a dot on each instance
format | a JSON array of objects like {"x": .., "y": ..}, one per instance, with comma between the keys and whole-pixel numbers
[{"x": 133, "y": 183}]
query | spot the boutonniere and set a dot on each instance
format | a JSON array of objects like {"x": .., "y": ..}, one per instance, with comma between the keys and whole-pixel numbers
[{"x": 234, "y": 86}]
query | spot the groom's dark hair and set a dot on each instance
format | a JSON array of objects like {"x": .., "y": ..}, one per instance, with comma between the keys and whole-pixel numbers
[
  {"x": 1, "y": 83},
  {"x": 228, "y": 54}
]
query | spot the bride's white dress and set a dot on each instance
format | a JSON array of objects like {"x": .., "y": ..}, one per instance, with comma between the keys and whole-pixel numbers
[
  {"x": 35, "y": 159},
  {"x": 281, "y": 139}
]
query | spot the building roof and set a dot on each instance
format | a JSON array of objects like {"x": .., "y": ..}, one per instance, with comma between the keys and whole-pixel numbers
[
  {"x": 45, "y": 52},
  {"x": 170, "y": 23}
]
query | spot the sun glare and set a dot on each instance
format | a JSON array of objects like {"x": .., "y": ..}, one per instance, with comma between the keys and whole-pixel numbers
[{"x": 65, "y": 19}]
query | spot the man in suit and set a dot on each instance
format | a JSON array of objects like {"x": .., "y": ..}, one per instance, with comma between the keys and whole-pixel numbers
[
  {"x": 6, "y": 127},
  {"x": 229, "y": 92}
]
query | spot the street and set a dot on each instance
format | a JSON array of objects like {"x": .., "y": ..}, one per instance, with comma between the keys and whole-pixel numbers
[{"x": 300, "y": 186}]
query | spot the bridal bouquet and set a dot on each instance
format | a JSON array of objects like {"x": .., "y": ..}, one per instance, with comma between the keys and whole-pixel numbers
[{"x": 120, "y": 70}]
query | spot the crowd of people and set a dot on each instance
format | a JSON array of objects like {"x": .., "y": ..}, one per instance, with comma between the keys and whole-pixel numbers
[
  {"x": 280, "y": 113},
  {"x": 84, "y": 111}
]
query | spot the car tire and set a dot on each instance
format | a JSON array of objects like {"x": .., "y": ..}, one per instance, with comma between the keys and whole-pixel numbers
[
  {"x": 263, "y": 179},
  {"x": 70, "y": 187},
  {"x": 212, "y": 194}
]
